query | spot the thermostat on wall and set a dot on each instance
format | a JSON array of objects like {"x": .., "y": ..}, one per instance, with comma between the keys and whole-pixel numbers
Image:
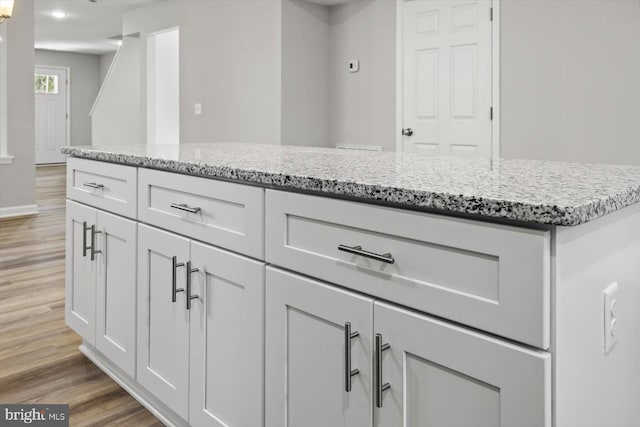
[{"x": 354, "y": 66}]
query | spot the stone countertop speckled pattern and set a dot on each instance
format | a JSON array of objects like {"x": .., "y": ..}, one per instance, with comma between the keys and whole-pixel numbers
[{"x": 531, "y": 191}]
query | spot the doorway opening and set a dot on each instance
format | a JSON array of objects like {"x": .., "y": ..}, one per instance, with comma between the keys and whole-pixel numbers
[
  {"x": 163, "y": 87},
  {"x": 51, "y": 88}
]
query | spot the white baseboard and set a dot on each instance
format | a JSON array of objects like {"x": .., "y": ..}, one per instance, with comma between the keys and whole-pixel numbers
[
  {"x": 157, "y": 408},
  {"x": 24, "y": 210}
]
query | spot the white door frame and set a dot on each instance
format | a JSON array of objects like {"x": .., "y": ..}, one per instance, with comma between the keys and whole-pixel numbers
[
  {"x": 68, "y": 70},
  {"x": 495, "y": 78}
]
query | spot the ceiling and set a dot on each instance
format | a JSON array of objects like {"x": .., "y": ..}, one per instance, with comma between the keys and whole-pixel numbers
[{"x": 87, "y": 28}]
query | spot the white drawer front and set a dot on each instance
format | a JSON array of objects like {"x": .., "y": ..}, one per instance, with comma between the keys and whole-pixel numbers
[
  {"x": 223, "y": 214},
  {"x": 107, "y": 186},
  {"x": 492, "y": 277}
]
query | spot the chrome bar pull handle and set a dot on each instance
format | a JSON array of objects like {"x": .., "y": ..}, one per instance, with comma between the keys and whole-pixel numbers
[
  {"x": 174, "y": 278},
  {"x": 184, "y": 207},
  {"x": 93, "y": 185},
  {"x": 93, "y": 242},
  {"x": 380, "y": 386},
  {"x": 357, "y": 250},
  {"x": 189, "y": 296},
  {"x": 85, "y": 248},
  {"x": 348, "y": 372}
]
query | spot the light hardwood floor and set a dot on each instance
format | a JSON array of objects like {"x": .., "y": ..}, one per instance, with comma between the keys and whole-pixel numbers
[{"x": 39, "y": 357}]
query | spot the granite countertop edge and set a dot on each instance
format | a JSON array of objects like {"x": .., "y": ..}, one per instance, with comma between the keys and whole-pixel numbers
[{"x": 483, "y": 207}]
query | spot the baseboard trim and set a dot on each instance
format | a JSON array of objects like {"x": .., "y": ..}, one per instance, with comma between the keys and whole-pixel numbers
[
  {"x": 12, "y": 211},
  {"x": 157, "y": 408}
]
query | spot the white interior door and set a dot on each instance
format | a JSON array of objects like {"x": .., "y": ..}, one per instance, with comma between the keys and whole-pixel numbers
[
  {"x": 447, "y": 82},
  {"x": 50, "y": 85}
]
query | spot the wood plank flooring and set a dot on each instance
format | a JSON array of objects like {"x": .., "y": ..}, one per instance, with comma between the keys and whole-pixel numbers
[{"x": 39, "y": 357}]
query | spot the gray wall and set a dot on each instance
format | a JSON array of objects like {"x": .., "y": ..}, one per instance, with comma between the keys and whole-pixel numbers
[
  {"x": 570, "y": 76},
  {"x": 84, "y": 84},
  {"x": 17, "y": 180},
  {"x": 362, "y": 105},
  {"x": 105, "y": 62},
  {"x": 305, "y": 73},
  {"x": 229, "y": 62}
]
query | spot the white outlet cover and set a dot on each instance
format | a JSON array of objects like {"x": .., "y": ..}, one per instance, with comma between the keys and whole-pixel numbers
[
  {"x": 354, "y": 66},
  {"x": 610, "y": 313}
]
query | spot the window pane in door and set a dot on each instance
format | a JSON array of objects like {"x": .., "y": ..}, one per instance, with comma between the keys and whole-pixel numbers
[{"x": 46, "y": 83}]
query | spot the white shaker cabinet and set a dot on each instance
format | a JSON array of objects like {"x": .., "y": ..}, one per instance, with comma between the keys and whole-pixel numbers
[
  {"x": 163, "y": 322},
  {"x": 227, "y": 339},
  {"x": 414, "y": 370},
  {"x": 441, "y": 375},
  {"x": 101, "y": 281},
  {"x": 309, "y": 350},
  {"x": 200, "y": 330},
  {"x": 80, "y": 282}
]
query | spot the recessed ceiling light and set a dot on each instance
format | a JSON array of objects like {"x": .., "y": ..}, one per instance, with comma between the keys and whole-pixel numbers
[{"x": 58, "y": 14}]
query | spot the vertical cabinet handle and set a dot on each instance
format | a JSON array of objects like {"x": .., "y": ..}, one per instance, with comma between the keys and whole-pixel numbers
[
  {"x": 380, "y": 386},
  {"x": 189, "y": 296},
  {"x": 93, "y": 242},
  {"x": 348, "y": 372},
  {"x": 174, "y": 278},
  {"x": 85, "y": 248}
]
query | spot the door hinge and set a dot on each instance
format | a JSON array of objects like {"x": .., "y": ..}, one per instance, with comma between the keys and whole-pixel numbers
[
  {"x": 491, "y": 113},
  {"x": 491, "y": 14}
]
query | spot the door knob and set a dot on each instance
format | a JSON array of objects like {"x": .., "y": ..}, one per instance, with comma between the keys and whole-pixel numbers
[{"x": 407, "y": 131}]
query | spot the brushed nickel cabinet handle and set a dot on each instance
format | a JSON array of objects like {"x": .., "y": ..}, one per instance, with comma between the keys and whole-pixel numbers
[
  {"x": 93, "y": 185},
  {"x": 380, "y": 386},
  {"x": 174, "y": 278},
  {"x": 348, "y": 372},
  {"x": 357, "y": 250},
  {"x": 189, "y": 296},
  {"x": 184, "y": 207},
  {"x": 93, "y": 242},
  {"x": 85, "y": 248}
]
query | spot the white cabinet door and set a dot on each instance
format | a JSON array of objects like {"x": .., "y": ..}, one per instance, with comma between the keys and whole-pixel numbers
[
  {"x": 80, "y": 284},
  {"x": 227, "y": 338},
  {"x": 306, "y": 359},
  {"x": 163, "y": 325},
  {"x": 116, "y": 290},
  {"x": 442, "y": 375}
]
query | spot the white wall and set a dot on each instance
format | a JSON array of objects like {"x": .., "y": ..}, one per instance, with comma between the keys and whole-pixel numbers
[
  {"x": 17, "y": 180},
  {"x": 163, "y": 87},
  {"x": 570, "y": 80},
  {"x": 305, "y": 73},
  {"x": 229, "y": 62},
  {"x": 84, "y": 85},
  {"x": 362, "y": 104},
  {"x": 105, "y": 62},
  {"x": 117, "y": 113}
]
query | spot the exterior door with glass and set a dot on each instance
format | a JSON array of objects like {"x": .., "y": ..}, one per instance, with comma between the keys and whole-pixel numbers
[{"x": 50, "y": 85}]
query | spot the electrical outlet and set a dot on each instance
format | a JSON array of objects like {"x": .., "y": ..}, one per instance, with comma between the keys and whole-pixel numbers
[
  {"x": 197, "y": 109},
  {"x": 611, "y": 327},
  {"x": 354, "y": 66}
]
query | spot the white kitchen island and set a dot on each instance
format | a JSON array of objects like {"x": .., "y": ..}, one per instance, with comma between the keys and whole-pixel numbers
[{"x": 250, "y": 285}]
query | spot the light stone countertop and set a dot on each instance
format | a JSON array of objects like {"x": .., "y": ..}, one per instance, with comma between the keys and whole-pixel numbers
[{"x": 542, "y": 192}]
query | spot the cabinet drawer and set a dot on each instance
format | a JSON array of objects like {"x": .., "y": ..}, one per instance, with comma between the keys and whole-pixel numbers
[
  {"x": 106, "y": 186},
  {"x": 223, "y": 214},
  {"x": 488, "y": 276}
]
